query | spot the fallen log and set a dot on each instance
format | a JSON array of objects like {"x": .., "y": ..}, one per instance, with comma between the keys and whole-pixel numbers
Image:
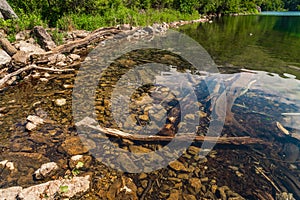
[
  {"x": 94, "y": 37},
  {"x": 87, "y": 122},
  {"x": 29, "y": 67}
]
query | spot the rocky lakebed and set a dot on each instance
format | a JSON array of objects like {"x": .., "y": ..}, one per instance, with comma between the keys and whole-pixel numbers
[{"x": 43, "y": 155}]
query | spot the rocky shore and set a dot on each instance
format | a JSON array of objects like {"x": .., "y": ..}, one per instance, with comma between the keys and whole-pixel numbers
[{"x": 43, "y": 157}]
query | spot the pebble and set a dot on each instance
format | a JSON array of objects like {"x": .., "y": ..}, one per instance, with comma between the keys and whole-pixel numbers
[
  {"x": 35, "y": 119},
  {"x": 177, "y": 166},
  {"x": 60, "y": 102},
  {"x": 30, "y": 126}
]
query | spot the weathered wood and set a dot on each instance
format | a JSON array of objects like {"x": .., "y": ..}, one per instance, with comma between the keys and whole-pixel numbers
[
  {"x": 6, "y": 78},
  {"x": 94, "y": 37},
  {"x": 6, "y": 45},
  {"x": 154, "y": 138}
]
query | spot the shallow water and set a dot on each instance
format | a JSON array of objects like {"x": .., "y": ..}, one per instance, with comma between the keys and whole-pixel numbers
[{"x": 257, "y": 57}]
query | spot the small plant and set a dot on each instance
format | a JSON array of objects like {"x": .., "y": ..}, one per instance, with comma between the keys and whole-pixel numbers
[
  {"x": 63, "y": 188},
  {"x": 76, "y": 170},
  {"x": 57, "y": 36}
]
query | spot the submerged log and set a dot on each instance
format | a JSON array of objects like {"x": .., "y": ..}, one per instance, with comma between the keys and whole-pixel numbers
[{"x": 87, "y": 122}]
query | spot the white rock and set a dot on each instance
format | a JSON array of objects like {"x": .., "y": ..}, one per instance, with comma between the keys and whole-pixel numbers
[
  {"x": 30, "y": 48},
  {"x": 4, "y": 58},
  {"x": 3, "y": 163},
  {"x": 30, "y": 126},
  {"x": 77, "y": 157},
  {"x": 50, "y": 189},
  {"x": 10, "y": 193},
  {"x": 35, "y": 119},
  {"x": 74, "y": 57},
  {"x": 60, "y": 102},
  {"x": 45, "y": 170},
  {"x": 10, "y": 166}
]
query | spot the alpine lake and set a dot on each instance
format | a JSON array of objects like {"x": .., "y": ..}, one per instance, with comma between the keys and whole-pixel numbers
[{"x": 257, "y": 58}]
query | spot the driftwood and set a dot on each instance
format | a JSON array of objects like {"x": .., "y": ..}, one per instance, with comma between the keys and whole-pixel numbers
[
  {"x": 29, "y": 67},
  {"x": 94, "y": 37},
  {"x": 154, "y": 138},
  {"x": 6, "y": 45}
]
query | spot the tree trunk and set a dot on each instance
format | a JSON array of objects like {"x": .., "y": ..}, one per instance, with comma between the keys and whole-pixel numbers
[{"x": 6, "y": 11}]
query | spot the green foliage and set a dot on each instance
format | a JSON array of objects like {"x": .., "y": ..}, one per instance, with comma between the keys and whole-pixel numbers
[
  {"x": 63, "y": 189},
  {"x": 92, "y": 14}
]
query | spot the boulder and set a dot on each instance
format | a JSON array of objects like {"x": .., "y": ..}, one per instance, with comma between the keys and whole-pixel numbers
[
  {"x": 44, "y": 38},
  {"x": 4, "y": 58},
  {"x": 6, "y": 11}
]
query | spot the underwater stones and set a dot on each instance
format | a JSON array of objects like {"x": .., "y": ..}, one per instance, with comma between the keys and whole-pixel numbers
[
  {"x": 33, "y": 122},
  {"x": 85, "y": 160},
  {"x": 122, "y": 188},
  {"x": 127, "y": 163},
  {"x": 139, "y": 149},
  {"x": 61, "y": 102},
  {"x": 46, "y": 170},
  {"x": 73, "y": 146},
  {"x": 177, "y": 166}
]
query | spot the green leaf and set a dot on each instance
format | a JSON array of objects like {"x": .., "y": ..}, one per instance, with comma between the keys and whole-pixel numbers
[{"x": 63, "y": 188}]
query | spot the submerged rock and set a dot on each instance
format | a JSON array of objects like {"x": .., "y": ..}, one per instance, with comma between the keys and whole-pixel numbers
[{"x": 46, "y": 170}]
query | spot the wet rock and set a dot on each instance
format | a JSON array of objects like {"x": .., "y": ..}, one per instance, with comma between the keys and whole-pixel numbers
[
  {"x": 127, "y": 164},
  {"x": 73, "y": 146},
  {"x": 194, "y": 185},
  {"x": 30, "y": 126},
  {"x": 139, "y": 149},
  {"x": 85, "y": 160},
  {"x": 46, "y": 170},
  {"x": 122, "y": 188},
  {"x": 60, "y": 102},
  {"x": 189, "y": 197},
  {"x": 175, "y": 194},
  {"x": 177, "y": 166},
  {"x": 8, "y": 165},
  {"x": 10, "y": 193},
  {"x": 193, "y": 150},
  {"x": 4, "y": 58},
  {"x": 44, "y": 38}
]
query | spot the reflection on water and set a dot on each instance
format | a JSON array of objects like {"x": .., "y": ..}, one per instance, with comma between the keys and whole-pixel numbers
[{"x": 259, "y": 98}]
